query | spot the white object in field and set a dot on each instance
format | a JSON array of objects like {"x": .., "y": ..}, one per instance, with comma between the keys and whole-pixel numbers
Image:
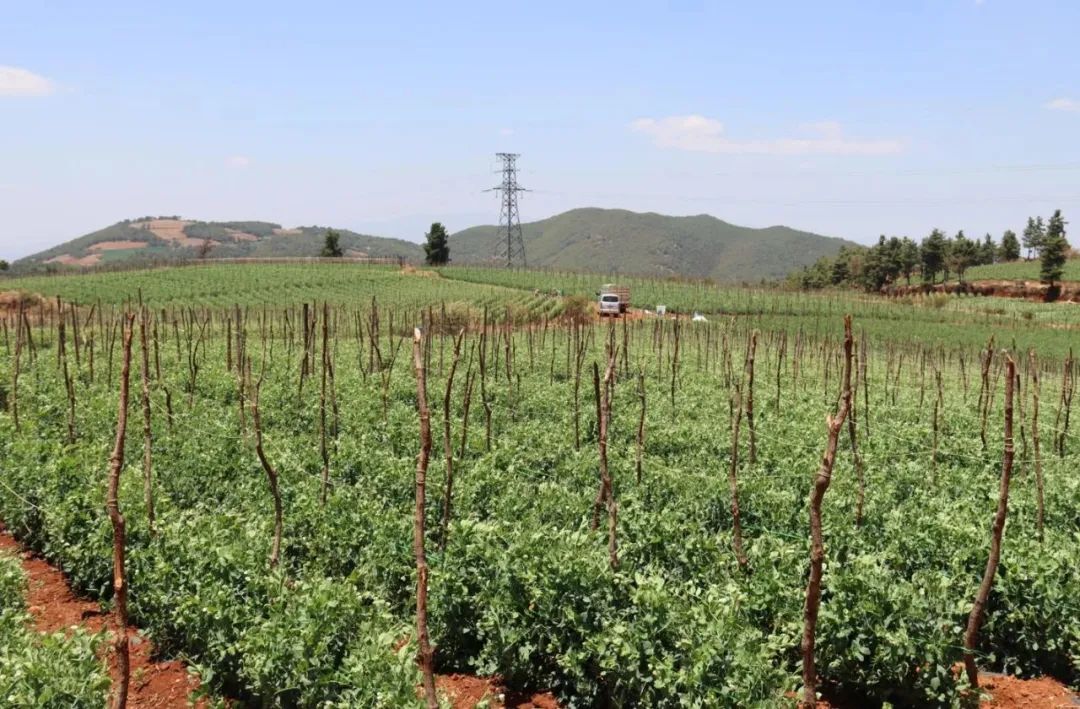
[
  {"x": 698, "y": 317},
  {"x": 661, "y": 310}
]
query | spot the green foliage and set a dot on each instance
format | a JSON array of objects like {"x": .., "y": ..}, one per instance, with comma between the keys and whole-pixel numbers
[
  {"x": 1034, "y": 234},
  {"x": 4, "y": 265},
  {"x": 437, "y": 246},
  {"x": 909, "y": 258},
  {"x": 1010, "y": 246},
  {"x": 55, "y": 670},
  {"x": 988, "y": 251},
  {"x": 331, "y": 245},
  {"x": 934, "y": 250},
  {"x": 624, "y": 242},
  {"x": 1053, "y": 250},
  {"x": 260, "y": 229},
  {"x": 208, "y": 230},
  {"x": 524, "y": 588},
  {"x": 892, "y": 258},
  {"x": 962, "y": 254},
  {"x": 240, "y": 239},
  {"x": 1024, "y": 270}
]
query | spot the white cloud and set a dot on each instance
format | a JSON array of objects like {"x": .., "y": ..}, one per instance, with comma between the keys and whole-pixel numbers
[
  {"x": 15, "y": 81},
  {"x": 706, "y": 135},
  {"x": 1064, "y": 104},
  {"x": 506, "y": 131},
  {"x": 238, "y": 162}
]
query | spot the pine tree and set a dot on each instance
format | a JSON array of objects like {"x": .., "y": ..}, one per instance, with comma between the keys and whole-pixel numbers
[
  {"x": 933, "y": 251},
  {"x": 1034, "y": 233},
  {"x": 909, "y": 257},
  {"x": 1010, "y": 246},
  {"x": 1053, "y": 251},
  {"x": 892, "y": 262},
  {"x": 987, "y": 250},
  {"x": 963, "y": 253},
  {"x": 437, "y": 247}
]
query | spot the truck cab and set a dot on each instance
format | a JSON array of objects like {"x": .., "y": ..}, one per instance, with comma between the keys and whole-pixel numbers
[
  {"x": 614, "y": 299},
  {"x": 610, "y": 304}
]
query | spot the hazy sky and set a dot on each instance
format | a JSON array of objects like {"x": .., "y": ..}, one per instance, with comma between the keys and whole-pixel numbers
[{"x": 846, "y": 118}]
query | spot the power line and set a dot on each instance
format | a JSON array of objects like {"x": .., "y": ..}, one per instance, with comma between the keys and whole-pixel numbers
[{"x": 509, "y": 244}]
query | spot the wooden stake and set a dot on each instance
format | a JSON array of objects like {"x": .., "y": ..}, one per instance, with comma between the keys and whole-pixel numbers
[
  {"x": 975, "y": 619},
  {"x": 112, "y": 506},
  {"x": 817, "y": 544},
  {"x": 448, "y": 447},
  {"x": 425, "y": 655}
]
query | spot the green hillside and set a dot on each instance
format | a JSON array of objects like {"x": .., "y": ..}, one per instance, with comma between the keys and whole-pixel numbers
[
  {"x": 158, "y": 238},
  {"x": 589, "y": 239},
  {"x": 617, "y": 240},
  {"x": 1020, "y": 271}
]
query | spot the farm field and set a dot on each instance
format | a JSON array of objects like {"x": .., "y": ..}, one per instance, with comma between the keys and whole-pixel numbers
[
  {"x": 219, "y": 285},
  {"x": 527, "y": 296},
  {"x": 648, "y": 606},
  {"x": 1021, "y": 270}
]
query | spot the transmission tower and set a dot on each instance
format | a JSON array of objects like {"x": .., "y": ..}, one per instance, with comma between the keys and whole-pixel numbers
[{"x": 509, "y": 244}]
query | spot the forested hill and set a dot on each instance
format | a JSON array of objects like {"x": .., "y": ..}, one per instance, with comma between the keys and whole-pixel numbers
[
  {"x": 617, "y": 240},
  {"x": 588, "y": 239},
  {"x": 153, "y": 238}
]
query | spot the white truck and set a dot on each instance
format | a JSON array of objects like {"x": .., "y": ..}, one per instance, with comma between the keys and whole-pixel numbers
[{"x": 614, "y": 299}]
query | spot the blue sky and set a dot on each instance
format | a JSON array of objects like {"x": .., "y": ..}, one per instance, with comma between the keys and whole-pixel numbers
[{"x": 847, "y": 118}]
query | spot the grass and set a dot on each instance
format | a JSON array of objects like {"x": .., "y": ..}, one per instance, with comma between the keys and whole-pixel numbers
[{"x": 1020, "y": 270}]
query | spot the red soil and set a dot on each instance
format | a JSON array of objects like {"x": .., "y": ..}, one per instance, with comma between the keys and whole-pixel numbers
[
  {"x": 466, "y": 691},
  {"x": 156, "y": 685},
  {"x": 1008, "y": 692},
  {"x": 169, "y": 684},
  {"x": 1030, "y": 290}
]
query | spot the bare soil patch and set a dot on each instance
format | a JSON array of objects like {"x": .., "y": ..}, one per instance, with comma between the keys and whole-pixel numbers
[
  {"x": 1008, "y": 692},
  {"x": 117, "y": 245},
  {"x": 466, "y": 691},
  {"x": 287, "y": 232},
  {"x": 171, "y": 230},
  {"x": 410, "y": 270},
  {"x": 1029, "y": 290},
  {"x": 167, "y": 229},
  {"x": 238, "y": 235},
  {"x": 53, "y": 606},
  {"x": 69, "y": 260}
]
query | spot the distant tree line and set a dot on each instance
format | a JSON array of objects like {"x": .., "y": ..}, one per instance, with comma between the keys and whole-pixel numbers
[{"x": 937, "y": 255}]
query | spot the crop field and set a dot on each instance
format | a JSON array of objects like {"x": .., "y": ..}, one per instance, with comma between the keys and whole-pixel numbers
[
  {"x": 216, "y": 285},
  {"x": 628, "y": 520},
  {"x": 524, "y": 295},
  {"x": 1022, "y": 270}
]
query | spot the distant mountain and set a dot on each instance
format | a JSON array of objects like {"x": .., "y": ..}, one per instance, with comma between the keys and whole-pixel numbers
[
  {"x": 590, "y": 239},
  {"x": 617, "y": 240},
  {"x": 163, "y": 238}
]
